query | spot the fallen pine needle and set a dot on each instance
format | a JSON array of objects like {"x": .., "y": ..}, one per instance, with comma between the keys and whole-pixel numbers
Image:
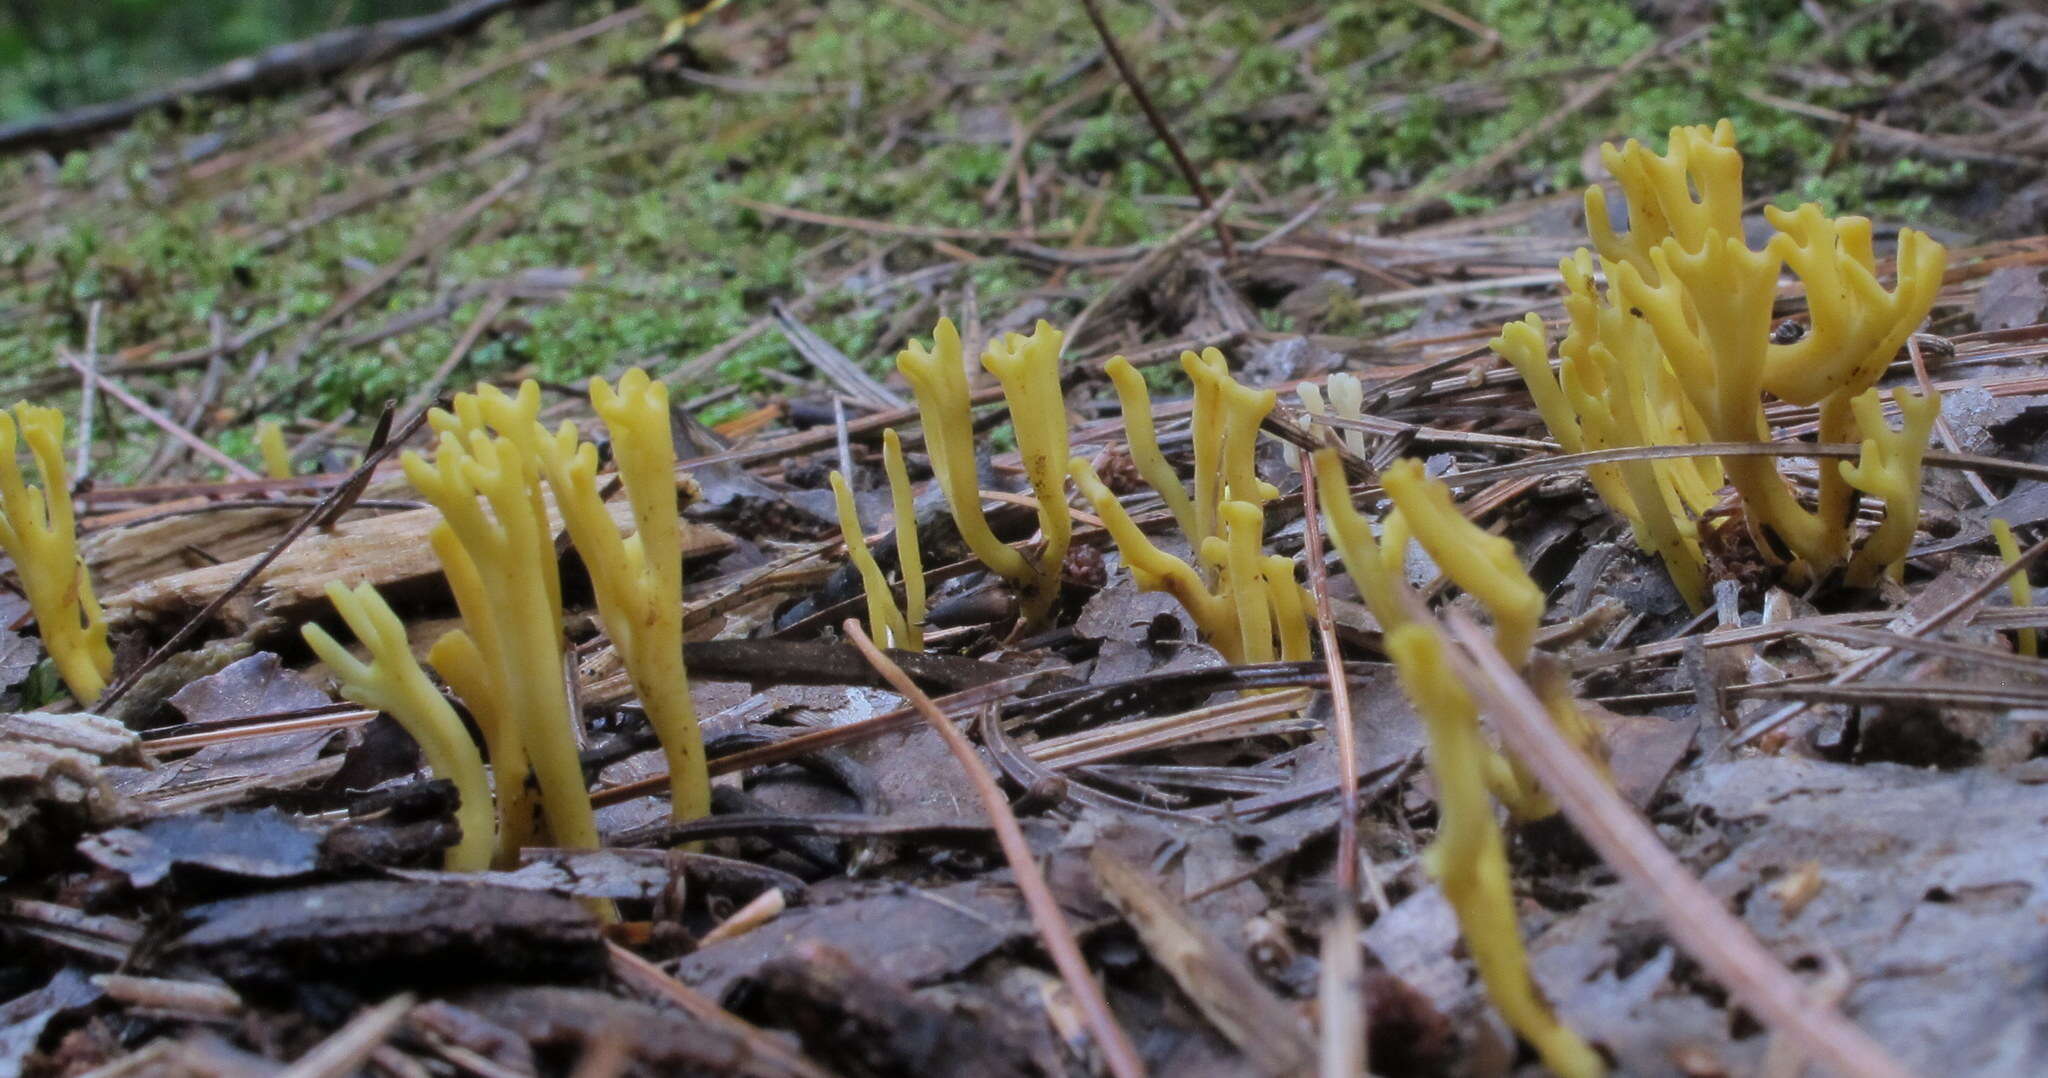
[
  {"x": 1117, "y": 1051},
  {"x": 1696, "y": 920}
]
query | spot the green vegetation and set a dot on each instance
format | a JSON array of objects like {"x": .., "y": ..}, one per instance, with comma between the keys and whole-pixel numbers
[
  {"x": 882, "y": 111},
  {"x": 59, "y": 56}
]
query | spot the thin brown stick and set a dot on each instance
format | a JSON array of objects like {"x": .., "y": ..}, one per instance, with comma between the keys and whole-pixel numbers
[
  {"x": 1159, "y": 125},
  {"x": 347, "y": 1048},
  {"x": 162, "y": 422},
  {"x": 1118, "y": 1053},
  {"x": 1340, "y": 690},
  {"x": 494, "y": 305},
  {"x": 1695, "y": 919},
  {"x": 654, "y": 981}
]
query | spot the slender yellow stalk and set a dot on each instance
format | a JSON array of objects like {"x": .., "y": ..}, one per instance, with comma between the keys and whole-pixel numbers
[
  {"x": 1143, "y": 435},
  {"x": 512, "y": 634},
  {"x": 2020, "y": 587},
  {"x": 1890, "y": 470},
  {"x": 39, "y": 532},
  {"x": 885, "y": 622},
  {"x": 1152, "y": 569},
  {"x": 908, "y": 555},
  {"x": 1029, "y": 370},
  {"x": 1245, "y": 579},
  {"x": 277, "y": 459},
  {"x": 939, "y": 382},
  {"x": 392, "y": 682},
  {"x": 1469, "y": 856},
  {"x": 1290, "y": 608},
  {"x": 1484, "y": 565}
]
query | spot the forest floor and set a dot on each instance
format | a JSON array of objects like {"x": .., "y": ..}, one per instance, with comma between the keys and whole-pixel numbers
[{"x": 760, "y": 208}]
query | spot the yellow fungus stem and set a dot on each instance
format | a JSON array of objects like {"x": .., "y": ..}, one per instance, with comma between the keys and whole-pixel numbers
[
  {"x": 1375, "y": 569},
  {"x": 908, "y": 555},
  {"x": 392, "y": 682},
  {"x": 1029, "y": 370},
  {"x": 1152, "y": 569},
  {"x": 2020, "y": 587},
  {"x": 1484, "y": 565},
  {"x": 1245, "y": 579},
  {"x": 512, "y": 621},
  {"x": 885, "y": 622},
  {"x": 277, "y": 459},
  {"x": 1143, "y": 435},
  {"x": 939, "y": 382},
  {"x": 1890, "y": 470},
  {"x": 1469, "y": 856},
  {"x": 39, "y": 532}
]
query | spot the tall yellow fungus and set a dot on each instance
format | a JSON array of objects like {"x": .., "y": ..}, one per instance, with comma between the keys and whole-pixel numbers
[{"x": 40, "y": 533}]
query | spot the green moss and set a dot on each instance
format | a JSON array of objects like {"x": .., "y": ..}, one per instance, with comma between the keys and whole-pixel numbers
[{"x": 865, "y": 111}]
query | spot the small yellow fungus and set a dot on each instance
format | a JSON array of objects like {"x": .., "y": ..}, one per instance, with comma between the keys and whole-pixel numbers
[
  {"x": 1143, "y": 435},
  {"x": 939, "y": 381},
  {"x": 392, "y": 682},
  {"x": 1375, "y": 568},
  {"x": 39, "y": 532},
  {"x": 1890, "y": 471},
  {"x": 1155, "y": 570},
  {"x": 2020, "y": 587},
  {"x": 277, "y": 458},
  {"x": 1029, "y": 370},
  {"x": 1469, "y": 856},
  {"x": 1290, "y": 607},
  {"x": 507, "y": 659},
  {"x": 1256, "y": 611},
  {"x": 885, "y": 622},
  {"x": 1245, "y": 580},
  {"x": 909, "y": 557},
  {"x": 1484, "y": 565}
]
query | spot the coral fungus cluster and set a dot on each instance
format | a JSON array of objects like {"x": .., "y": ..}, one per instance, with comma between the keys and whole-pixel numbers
[
  {"x": 1676, "y": 349},
  {"x": 496, "y": 547}
]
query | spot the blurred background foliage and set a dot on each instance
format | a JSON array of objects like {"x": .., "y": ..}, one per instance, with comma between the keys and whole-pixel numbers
[{"x": 56, "y": 55}]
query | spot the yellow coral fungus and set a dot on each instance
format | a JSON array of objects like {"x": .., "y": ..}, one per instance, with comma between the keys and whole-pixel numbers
[
  {"x": 637, "y": 579},
  {"x": 1678, "y": 350},
  {"x": 909, "y": 558},
  {"x": 392, "y": 682},
  {"x": 885, "y": 622},
  {"x": 1029, "y": 370},
  {"x": 1245, "y": 576},
  {"x": 939, "y": 382},
  {"x": 1154, "y": 569},
  {"x": 1257, "y": 610},
  {"x": 1227, "y": 414},
  {"x": 506, "y": 660},
  {"x": 1890, "y": 471},
  {"x": 1375, "y": 568},
  {"x": 41, "y": 535},
  {"x": 277, "y": 459},
  {"x": 2021, "y": 589},
  {"x": 1143, "y": 436},
  {"x": 1290, "y": 607},
  {"x": 1469, "y": 856},
  {"x": 1484, "y": 565}
]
